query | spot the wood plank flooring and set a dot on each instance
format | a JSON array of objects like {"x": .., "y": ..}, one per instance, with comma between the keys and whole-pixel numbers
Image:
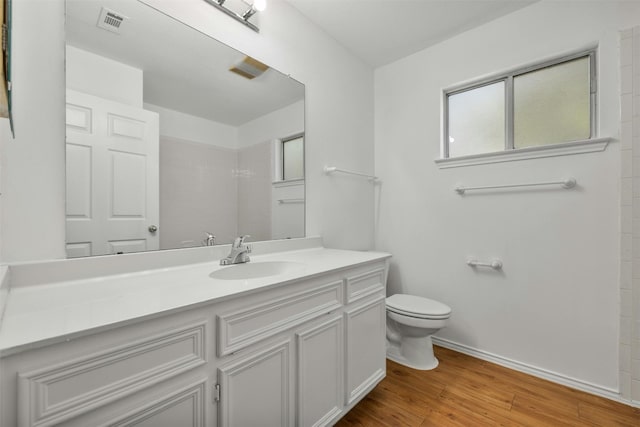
[{"x": 465, "y": 391}]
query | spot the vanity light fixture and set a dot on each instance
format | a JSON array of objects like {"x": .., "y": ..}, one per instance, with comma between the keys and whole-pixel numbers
[{"x": 256, "y": 6}]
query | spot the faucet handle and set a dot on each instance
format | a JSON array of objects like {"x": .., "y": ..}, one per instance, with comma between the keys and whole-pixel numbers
[
  {"x": 240, "y": 240},
  {"x": 210, "y": 240}
]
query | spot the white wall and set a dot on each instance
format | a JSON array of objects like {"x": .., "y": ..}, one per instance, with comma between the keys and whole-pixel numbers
[
  {"x": 176, "y": 124},
  {"x": 279, "y": 124},
  {"x": 32, "y": 181},
  {"x": 555, "y": 305},
  {"x": 254, "y": 191},
  {"x": 103, "y": 77},
  {"x": 198, "y": 193},
  {"x": 198, "y": 187}
]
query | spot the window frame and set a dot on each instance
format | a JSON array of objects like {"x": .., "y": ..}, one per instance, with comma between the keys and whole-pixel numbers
[
  {"x": 279, "y": 165},
  {"x": 508, "y": 79}
]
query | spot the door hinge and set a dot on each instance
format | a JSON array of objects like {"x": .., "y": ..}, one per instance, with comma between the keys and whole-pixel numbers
[{"x": 216, "y": 393}]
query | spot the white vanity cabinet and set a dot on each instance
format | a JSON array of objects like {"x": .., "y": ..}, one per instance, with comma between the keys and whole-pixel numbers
[
  {"x": 297, "y": 354},
  {"x": 303, "y": 354},
  {"x": 147, "y": 373}
]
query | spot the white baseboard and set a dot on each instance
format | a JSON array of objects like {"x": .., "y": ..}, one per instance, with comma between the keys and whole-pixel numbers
[{"x": 536, "y": 372}]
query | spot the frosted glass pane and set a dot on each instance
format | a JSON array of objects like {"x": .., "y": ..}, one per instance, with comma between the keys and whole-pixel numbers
[
  {"x": 552, "y": 105},
  {"x": 293, "y": 159},
  {"x": 476, "y": 121}
]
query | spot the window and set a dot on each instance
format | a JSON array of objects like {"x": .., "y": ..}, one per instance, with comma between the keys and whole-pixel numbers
[
  {"x": 547, "y": 104},
  {"x": 292, "y": 161}
]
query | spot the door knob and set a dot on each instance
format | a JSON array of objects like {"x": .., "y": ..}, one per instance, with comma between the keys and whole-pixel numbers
[{"x": 153, "y": 229}]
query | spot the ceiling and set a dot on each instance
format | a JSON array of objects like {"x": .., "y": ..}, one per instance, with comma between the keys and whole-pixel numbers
[{"x": 383, "y": 31}]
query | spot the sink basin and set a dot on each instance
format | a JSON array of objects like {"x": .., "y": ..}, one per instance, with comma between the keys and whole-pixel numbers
[{"x": 255, "y": 270}]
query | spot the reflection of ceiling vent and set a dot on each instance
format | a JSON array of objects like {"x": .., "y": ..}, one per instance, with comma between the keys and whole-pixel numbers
[
  {"x": 110, "y": 20},
  {"x": 249, "y": 68}
]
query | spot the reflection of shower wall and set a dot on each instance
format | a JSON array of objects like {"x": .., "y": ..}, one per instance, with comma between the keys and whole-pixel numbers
[
  {"x": 198, "y": 193},
  {"x": 254, "y": 191},
  {"x": 259, "y": 214}
]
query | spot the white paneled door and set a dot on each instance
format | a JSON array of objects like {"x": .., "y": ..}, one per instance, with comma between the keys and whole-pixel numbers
[{"x": 112, "y": 177}]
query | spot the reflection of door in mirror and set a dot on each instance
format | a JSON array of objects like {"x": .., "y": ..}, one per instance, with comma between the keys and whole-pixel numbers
[{"x": 112, "y": 177}]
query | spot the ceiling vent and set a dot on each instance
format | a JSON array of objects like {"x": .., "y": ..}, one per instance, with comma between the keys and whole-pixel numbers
[
  {"x": 249, "y": 68},
  {"x": 110, "y": 20}
]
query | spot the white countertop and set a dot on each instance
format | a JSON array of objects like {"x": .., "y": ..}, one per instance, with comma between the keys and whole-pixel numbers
[{"x": 41, "y": 314}]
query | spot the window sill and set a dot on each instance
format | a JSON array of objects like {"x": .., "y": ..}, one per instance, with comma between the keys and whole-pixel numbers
[
  {"x": 567, "y": 148},
  {"x": 288, "y": 183}
]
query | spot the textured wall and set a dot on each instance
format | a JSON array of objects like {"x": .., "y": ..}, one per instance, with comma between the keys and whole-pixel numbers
[{"x": 630, "y": 218}]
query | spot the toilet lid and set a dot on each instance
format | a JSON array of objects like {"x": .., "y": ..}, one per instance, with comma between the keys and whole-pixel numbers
[{"x": 416, "y": 306}]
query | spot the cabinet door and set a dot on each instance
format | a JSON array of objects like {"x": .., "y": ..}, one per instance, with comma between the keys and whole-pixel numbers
[
  {"x": 255, "y": 390},
  {"x": 366, "y": 330},
  {"x": 320, "y": 373}
]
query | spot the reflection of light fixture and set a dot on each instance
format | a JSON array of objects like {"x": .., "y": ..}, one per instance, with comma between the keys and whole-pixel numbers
[{"x": 256, "y": 6}]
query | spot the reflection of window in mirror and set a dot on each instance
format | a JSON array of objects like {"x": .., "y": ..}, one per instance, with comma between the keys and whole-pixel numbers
[
  {"x": 293, "y": 158},
  {"x": 288, "y": 158}
]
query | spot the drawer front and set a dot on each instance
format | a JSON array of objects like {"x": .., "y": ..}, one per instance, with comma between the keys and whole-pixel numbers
[
  {"x": 56, "y": 393},
  {"x": 362, "y": 285},
  {"x": 184, "y": 408},
  {"x": 254, "y": 323}
]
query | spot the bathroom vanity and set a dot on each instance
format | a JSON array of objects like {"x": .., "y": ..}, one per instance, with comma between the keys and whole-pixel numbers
[{"x": 294, "y": 337}]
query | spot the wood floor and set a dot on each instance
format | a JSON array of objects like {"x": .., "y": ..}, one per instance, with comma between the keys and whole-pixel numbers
[{"x": 464, "y": 391}]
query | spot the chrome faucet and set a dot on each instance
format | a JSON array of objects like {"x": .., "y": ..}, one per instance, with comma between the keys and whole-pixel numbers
[
  {"x": 238, "y": 252},
  {"x": 210, "y": 240}
]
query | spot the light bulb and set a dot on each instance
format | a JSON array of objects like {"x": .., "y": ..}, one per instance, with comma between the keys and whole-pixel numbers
[{"x": 260, "y": 5}]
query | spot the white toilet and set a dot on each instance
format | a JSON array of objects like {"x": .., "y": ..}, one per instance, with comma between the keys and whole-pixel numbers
[{"x": 411, "y": 320}]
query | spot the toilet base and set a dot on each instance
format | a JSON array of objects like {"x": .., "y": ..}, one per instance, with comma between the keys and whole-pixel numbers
[{"x": 416, "y": 353}]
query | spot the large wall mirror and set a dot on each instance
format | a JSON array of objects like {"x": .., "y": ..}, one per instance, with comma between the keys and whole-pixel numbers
[{"x": 166, "y": 144}]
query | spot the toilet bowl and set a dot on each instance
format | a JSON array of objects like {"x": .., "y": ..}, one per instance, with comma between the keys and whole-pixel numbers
[{"x": 411, "y": 320}]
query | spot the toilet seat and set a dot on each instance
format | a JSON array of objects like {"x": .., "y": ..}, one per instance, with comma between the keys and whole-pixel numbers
[{"x": 418, "y": 307}]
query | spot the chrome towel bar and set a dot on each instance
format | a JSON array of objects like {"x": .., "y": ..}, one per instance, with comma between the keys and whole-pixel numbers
[
  {"x": 331, "y": 169},
  {"x": 565, "y": 183}
]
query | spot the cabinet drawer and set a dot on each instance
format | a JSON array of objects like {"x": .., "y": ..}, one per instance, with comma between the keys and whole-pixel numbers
[
  {"x": 184, "y": 408},
  {"x": 253, "y": 323},
  {"x": 56, "y": 393},
  {"x": 364, "y": 284}
]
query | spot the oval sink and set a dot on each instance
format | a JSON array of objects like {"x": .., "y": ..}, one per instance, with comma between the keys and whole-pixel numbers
[{"x": 255, "y": 270}]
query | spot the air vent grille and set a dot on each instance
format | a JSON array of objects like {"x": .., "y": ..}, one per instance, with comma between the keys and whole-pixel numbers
[
  {"x": 110, "y": 20},
  {"x": 249, "y": 68}
]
